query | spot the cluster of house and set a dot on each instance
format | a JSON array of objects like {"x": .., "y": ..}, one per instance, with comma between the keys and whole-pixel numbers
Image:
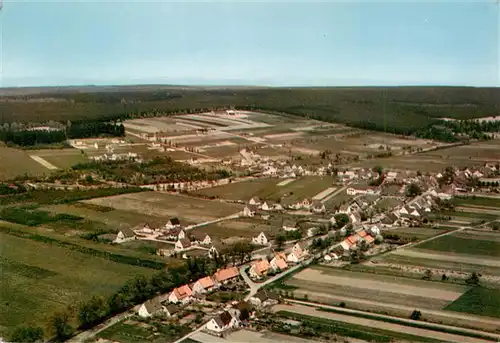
[
  {"x": 280, "y": 261},
  {"x": 190, "y": 292},
  {"x": 186, "y": 185},
  {"x": 255, "y": 207},
  {"x": 354, "y": 240},
  {"x": 171, "y": 232},
  {"x": 240, "y": 312}
]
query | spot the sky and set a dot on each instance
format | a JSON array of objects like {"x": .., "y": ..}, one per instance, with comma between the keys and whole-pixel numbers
[{"x": 280, "y": 43}]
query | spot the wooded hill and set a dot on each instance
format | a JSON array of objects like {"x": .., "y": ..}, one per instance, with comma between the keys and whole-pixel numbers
[{"x": 403, "y": 110}]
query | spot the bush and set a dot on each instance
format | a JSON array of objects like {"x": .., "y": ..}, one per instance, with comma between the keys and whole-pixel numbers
[{"x": 27, "y": 334}]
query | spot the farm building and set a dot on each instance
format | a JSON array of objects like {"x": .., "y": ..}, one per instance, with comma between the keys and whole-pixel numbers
[{"x": 124, "y": 235}]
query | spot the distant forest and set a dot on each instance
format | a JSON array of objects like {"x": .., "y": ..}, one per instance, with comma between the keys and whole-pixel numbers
[
  {"x": 19, "y": 135},
  {"x": 401, "y": 110}
]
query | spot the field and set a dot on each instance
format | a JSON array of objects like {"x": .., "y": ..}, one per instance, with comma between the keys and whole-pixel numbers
[
  {"x": 478, "y": 300},
  {"x": 15, "y": 162},
  {"x": 469, "y": 242},
  {"x": 246, "y": 336},
  {"x": 188, "y": 209},
  {"x": 383, "y": 288},
  {"x": 419, "y": 233},
  {"x": 268, "y": 189},
  {"x": 236, "y": 228},
  {"x": 60, "y": 158},
  {"x": 111, "y": 218},
  {"x": 35, "y": 282}
]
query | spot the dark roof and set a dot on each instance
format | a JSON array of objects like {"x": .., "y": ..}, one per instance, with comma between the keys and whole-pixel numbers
[
  {"x": 127, "y": 232},
  {"x": 223, "y": 319},
  {"x": 152, "y": 306},
  {"x": 197, "y": 235},
  {"x": 264, "y": 295},
  {"x": 185, "y": 242},
  {"x": 253, "y": 208},
  {"x": 174, "y": 221},
  {"x": 173, "y": 309},
  {"x": 243, "y": 305}
]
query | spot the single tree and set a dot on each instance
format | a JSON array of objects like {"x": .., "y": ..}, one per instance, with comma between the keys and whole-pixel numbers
[{"x": 416, "y": 315}]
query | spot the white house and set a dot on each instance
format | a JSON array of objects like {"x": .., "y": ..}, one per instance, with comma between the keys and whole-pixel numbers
[
  {"x": 318, "y": 207},
  {"x": 124, "y": 235},
  {"x": 149, "y": 308},
  {"x": 261, "y": 239},
  {"x": 182, "y": 244},
  {"x": 200, "y": 238},
  {"x": 299, "y": 250},
  {"x": 391, "y": 176},
  {"x": 249, "y": 210},
  {"x": 312, "y": 231},
  {"x": 265, "y": 206},
  {"x": 175, "y": 234},
  {"x": 254, "y": 201},
  {"x": 212, "y": 252},
  {"x": 264, "y": 298},
  {"x": 173, "y": 223},
  {"x": 221, "y": 323}
]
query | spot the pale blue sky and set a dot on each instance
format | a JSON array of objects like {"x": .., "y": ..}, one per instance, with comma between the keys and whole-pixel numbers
[{"x": 253, "y": 43}]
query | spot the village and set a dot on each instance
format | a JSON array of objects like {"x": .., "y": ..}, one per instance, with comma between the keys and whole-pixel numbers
[{"x": 342, "y": 234}]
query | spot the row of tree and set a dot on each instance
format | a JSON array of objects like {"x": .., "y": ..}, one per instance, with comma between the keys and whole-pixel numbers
[
  {"x": 32, "y": 137},
  {"x": 88, "y": 129}
]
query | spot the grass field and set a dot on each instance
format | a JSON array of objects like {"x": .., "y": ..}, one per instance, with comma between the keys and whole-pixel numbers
[
  {"x": 188, "y": 209},
  {"x": 477, "y": 201},
  {"x": 419, "y": 233},
  {"x": 236, "y": 228},
  {"x": 39, "y": 279},
  {"x": 15, "y": 162},
  {"x": 61, "y": 158},
  {"x": 240, "y": 190},
  {"x": 463, "y": 244},
  {"x": 113, "y": 219},
  {"x": 478, "y": 300}
]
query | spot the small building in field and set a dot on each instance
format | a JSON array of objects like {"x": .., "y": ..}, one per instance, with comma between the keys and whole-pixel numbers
[
  {"x": 124, "y": 235},
  {"x": 249, "y": 210},
  {"x": 261, "y": 239},
  {"x": 254, "y": 201},
  {"x": 173, "y": 223}
]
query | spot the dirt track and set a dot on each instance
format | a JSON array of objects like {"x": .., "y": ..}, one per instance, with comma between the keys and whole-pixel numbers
[
  {"x": 306, "y": 310},
  {"x": 459, "y": 258},
  {"x": 365, "y": 283}
]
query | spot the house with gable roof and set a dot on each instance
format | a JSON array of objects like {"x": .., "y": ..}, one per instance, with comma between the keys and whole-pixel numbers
[
  {"x": 124, "y": 235},
  {"x": 261, "y": 239},
  {"x": 204, "y": 285},
  {"x": 150, "y": 308},
  {"x": 182, "y": 294},
  {"x": 221, "y": 323}
]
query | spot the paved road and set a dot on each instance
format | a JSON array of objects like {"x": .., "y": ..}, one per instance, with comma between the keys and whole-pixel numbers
[{"x": 303, "y": 307}]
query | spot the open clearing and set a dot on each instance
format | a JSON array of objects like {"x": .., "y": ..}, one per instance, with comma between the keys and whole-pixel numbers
[
  {"x": 419, "y": 233},
  {"x": 60, "y": 158},
  {"x": 243, "y": 190},
  {"x": 15, "y": 162},
  {"x": 247, "y": 336},
  {"x": 188, "y": 209},
  {"x": 399, "y": 332},
  {"x": 244, "y": 227},
  {"x": 35, "y": 283}
]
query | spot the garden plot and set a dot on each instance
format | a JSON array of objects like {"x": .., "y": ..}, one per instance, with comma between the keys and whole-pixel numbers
[{"x": 188, "y": 209}]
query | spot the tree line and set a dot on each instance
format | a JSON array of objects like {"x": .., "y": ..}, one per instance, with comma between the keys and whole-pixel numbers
[{"x": 15, "y": 134}]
